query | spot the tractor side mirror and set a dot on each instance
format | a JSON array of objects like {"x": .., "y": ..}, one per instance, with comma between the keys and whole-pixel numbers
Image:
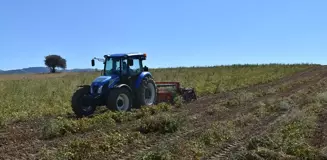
[
  {"x": 146, "y": 68},
  {"x": 130, "y": 62},
  {"x": 92, "y": 62}
]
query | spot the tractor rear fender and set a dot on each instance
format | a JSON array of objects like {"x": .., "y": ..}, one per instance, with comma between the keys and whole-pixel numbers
[
  {"x": 140, "y": 78},
  {"x": 83, "y": 86}
]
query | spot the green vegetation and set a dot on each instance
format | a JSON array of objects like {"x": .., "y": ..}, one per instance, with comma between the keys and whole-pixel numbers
[
  {"x": 208, "y": 80},
  {"x": 54, "y": 61},
  {"x": 108, "y": 143},
  {"x": 157, "y": 155},
  {"x": 163, "y": 123},
  {"x": 32, "y": 98},
  {"x": 40, "y": 108},
  {"x": 62, "y": 126},
  {"x": 292, "y": 139},
  {"x": 221, "y": 131}
]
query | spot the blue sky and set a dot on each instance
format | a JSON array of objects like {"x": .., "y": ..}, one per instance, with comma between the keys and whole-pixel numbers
[{"x": 171, "y": 32}]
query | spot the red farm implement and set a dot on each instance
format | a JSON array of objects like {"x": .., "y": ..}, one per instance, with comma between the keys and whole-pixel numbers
[{"x": 167, "y": 91}]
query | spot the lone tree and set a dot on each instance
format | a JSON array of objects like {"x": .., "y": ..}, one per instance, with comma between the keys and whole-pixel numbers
[{"x": 53, "y": 61}]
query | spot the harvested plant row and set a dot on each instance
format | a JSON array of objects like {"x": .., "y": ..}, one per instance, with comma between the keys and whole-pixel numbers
[
  {"x": 200, "y": 108},
  {"x": 268, "y": 123}
]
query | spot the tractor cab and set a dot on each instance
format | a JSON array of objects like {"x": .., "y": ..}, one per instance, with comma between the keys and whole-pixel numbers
[
  {"x": 123, "y": 64},
  {"x": 120, "y": 69}
]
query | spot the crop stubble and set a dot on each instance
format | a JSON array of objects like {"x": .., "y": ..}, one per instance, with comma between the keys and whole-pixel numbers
[
  {"x": 200, "y": 107},
  {"x": 22, "y": 134},
  {"x": 267, "y": 123}
]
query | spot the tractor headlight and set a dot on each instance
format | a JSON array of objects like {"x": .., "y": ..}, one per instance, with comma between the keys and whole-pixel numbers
[{"x": 100, "y": 89}]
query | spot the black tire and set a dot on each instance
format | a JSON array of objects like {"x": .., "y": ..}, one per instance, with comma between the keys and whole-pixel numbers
[
  {"x": 77, "y": 103},
  {"x": 118, "y": 97},
  {"x": 141, "y": 93}
]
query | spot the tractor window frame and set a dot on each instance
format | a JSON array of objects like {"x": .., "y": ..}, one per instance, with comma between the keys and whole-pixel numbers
[
  {"x": 115, "y": 63},
  {"x": 137, "y": 68}
]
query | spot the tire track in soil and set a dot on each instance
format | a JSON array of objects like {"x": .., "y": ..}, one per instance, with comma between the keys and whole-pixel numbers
[
  {"x": 257, "y": 131},
  {"x": 268, "y": 124},
  {"x": 199, "y": 126},
  {"x": 319, "y": 139}
]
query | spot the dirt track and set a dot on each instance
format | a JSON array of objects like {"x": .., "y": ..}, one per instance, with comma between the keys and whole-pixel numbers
[
  {"x": 321, "y": 132},
  {"x": 22, "y": 142}
]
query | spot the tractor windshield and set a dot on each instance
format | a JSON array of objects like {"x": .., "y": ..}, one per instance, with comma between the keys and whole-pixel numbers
[{"x": 112, "y": 66}]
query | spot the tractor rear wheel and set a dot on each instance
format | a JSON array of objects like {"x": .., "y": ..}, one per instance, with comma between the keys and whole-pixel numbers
[
  {"x": 147, "y": 93},
  {"x": 78, "y": 105},
  {"x": 119, "y": 99}
]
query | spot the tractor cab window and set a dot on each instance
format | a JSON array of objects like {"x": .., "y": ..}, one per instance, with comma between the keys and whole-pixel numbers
[
  {"x": 135, "y": 69},
  {"x": 112, "y": 66}
]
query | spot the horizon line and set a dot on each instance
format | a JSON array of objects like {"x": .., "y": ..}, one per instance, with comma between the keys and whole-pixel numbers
[{"x": 193, "y": 66}]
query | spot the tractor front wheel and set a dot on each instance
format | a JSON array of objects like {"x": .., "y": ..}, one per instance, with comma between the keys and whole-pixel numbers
[
  {"x": 78, "y": 102},
  {"x": 119, "y": 100}
]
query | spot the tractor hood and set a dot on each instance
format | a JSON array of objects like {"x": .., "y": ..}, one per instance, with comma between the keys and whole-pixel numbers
[{"x": 101, "y": 80}]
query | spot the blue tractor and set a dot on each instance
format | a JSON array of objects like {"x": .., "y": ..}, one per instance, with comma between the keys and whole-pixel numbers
[{"x": 124, "y": 83}]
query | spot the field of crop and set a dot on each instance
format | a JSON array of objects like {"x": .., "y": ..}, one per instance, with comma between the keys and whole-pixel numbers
[{"x": 243, "y": 112}]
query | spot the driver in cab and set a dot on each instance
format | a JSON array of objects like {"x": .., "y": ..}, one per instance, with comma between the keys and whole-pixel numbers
[{"x": 126, "y": 70}]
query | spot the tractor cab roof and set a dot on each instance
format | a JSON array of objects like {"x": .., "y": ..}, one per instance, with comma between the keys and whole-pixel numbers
[{"x": 125, "y": 55}]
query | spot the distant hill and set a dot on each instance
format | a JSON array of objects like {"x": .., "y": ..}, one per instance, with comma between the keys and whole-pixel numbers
[{"x": 41, "y": 70}]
